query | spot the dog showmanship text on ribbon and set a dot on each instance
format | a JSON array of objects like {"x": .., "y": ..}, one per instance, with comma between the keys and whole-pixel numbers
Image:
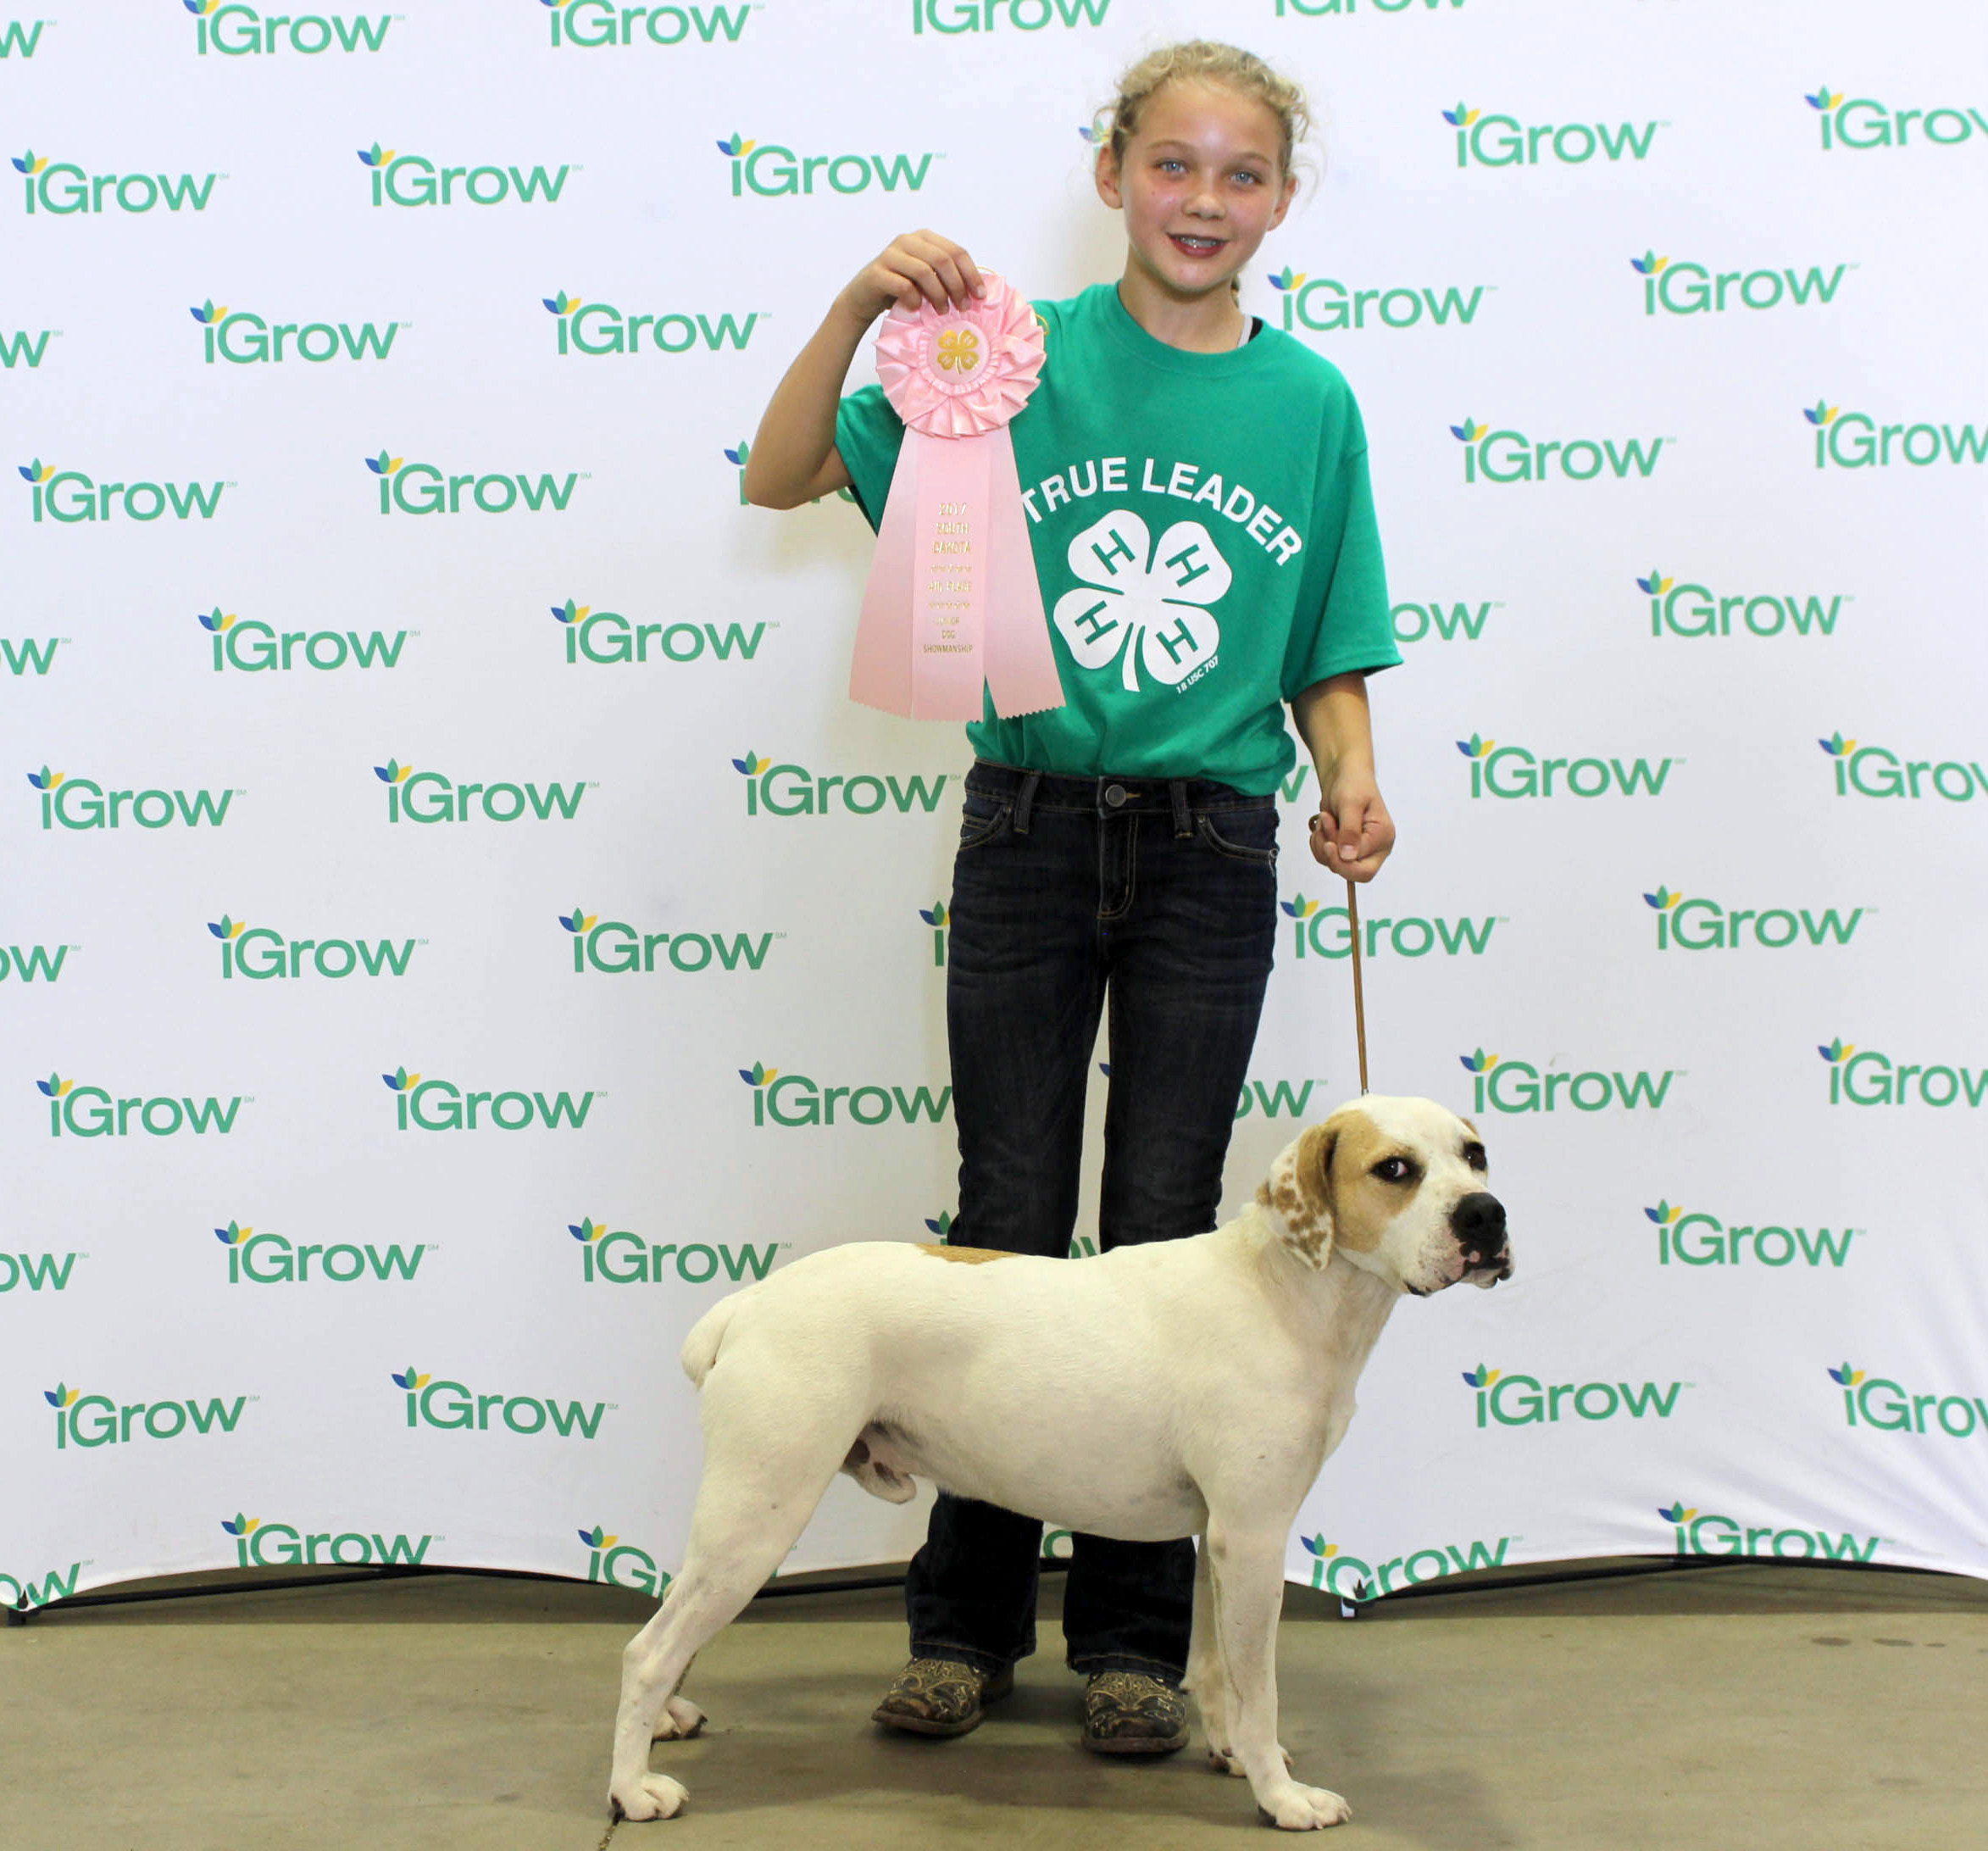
[{"x": 953, "y": 600}]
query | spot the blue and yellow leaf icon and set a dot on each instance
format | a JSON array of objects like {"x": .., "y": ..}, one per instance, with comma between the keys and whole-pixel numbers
[
  {"x": 1648, "y": 265},
  {"x": 411, "y": 1381},
  {"x": 1824, "y": 98},
  {"x": 1662, "y": 899},
  {"x": 1847, "y": 1376},
  {"x": 207, "y": 315},
  {"x": 758, "y": 1075},
  {"x": 1298, "y": 907},
  {"x": 376, "y": 156},
  {"x": 1821, "y": 412},
  {"x": 1837, "y": 746},
  {"x": 738, "y": 455},
  {"x": 215, "y": 621},
  {"x": 201, "y": 8},
  {"x": 225, "y": 928},
  {"x": 27, "y": 164},
  {"x": 36, "y": 471},
  {"x": 241, "y": 1526},
  {"x": 393, "y": 772},
  {"x": 935, "y": 914},
  {"x": 1461, "y": 118},
  {"x": 736, "y": 146},
  {"x": 233, "y": 1234},
  {"x": 940, "y": 1224},
  {"x": 55, "y": 1086},
  {"x": 1677, "y": 1512},
  {"x": 1287, "y": 278},
  {"x": 384, "y": 464},
  {"x": 578, "y": 921},
  {"x": 1481, "y": 1377},
  {"x": 1475, "y": 747},
  {"x": 586, "y": 1229},
  {"x": 1478, "y": 1062},
  {"x": 598, "y": 1538},
  {"x": 751, "y": 765},
  {"x": 560, "y": 305},
  {"x": 1316, "y": 1545},
  {"x": 1837, "y": 1050},
  {"x": 571, "y": 613},
  {"x": 1655, "y": 585},
  {"x": 46, "y": 779},
  {"x": 1468, "y": 432},
  {"x": 61, "y": 1396},
  {"x": 1663, "y": 1214},
  {"x": 401, "y": 1080}
]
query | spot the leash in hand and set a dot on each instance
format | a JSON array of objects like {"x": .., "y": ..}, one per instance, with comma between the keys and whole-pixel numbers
[{"x": 1352, "y": 913}]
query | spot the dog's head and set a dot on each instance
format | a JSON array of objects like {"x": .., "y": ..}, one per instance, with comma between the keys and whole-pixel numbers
[{"x": 1397, "y": 1188}]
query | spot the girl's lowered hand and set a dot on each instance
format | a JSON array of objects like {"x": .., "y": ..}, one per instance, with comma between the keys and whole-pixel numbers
[
  {"x": 1353, "y": 834},
  {"x": 916, "y": 266}
]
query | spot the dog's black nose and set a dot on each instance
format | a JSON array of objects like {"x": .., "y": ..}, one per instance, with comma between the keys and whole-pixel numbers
[{"x": 1478, "y": 1221}]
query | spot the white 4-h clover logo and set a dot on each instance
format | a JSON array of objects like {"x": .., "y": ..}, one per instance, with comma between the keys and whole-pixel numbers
[{"x": 1146, "y": 601}]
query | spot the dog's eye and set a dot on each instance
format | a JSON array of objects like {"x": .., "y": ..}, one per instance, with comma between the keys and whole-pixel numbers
[
  {"x": 1473, "y": 1155},
  {"x": 1394, "y": 1169}
]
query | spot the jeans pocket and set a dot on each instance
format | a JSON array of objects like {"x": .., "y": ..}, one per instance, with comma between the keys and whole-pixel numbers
[
  {"x": 1242, "y": 835},
  {"x": 982, "y": 818}
]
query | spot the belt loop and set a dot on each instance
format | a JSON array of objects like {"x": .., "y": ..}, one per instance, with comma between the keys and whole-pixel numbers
[
  {"x": 1183, "y": 824},
  {"x": 1024, "y": 799}
]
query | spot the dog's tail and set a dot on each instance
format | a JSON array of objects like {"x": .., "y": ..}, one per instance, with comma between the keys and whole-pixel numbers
[{"x": 707, "y": 1337}]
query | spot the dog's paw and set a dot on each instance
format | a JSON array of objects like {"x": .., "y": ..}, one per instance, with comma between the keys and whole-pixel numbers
[
  {"x": 1293, "y": 1808},
  {"x": 1227, "y": 1761},
  {"x": 680, "y": 1720},
  {"x": 656, "y": 1796}
]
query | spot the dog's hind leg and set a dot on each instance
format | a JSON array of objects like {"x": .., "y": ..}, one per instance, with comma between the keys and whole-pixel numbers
[
  {"x": 1247, "y": 1569},
  {"x": 761, "y": 1485}
]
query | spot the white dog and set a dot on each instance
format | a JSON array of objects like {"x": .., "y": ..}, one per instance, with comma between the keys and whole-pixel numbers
[{"x": 1189, "y": 1388}]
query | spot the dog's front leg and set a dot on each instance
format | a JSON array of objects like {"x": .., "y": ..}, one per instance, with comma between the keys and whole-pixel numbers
[{"x": 1248, "y": 1567}]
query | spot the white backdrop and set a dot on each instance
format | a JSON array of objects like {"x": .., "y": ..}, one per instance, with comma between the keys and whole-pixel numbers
[{"x": 1688, "y": 754}]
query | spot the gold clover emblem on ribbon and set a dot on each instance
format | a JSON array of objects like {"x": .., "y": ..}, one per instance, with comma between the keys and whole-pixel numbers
[{"x": 959, "y": 350}]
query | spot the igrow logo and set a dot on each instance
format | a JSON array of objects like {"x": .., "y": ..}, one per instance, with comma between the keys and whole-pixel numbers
[
  {"x": 38, "y": 1272},
  {"x": 1708, "y": 925},
  {"x": 599, "y": 327},
  {"x": 939, "y": 920},
  {"x": 23, "y": 345},
  {"x": 94, "y": 1420},
  {"x": 452, "y": 1407},
  {"x": 422, "y": 488},
  {"x": 30, "y": 963},
  {"x": 1708, "y": 1533},
  {"x": 771, "y": 170},
  {"x": 1502, "y": 140},
  {"x": 94, "y": 1112},
  {"x": 270, "y": 1258},
  {"x": 607, "y": 637},
  {"x": 1514, "y": 771},
  {"x": 1863, "y": 122},
  {"x": 242, "y": 339},
  {"x": 413, "y": 179},
  {"x": 254, "y": 646},
  {"x": 1315, "y": 9},
  {"x": 1698, "y": 1239},
  {"x": 73, "y": 802},
  {"x": 1854, "y": 440},
  {"x": 1517, "y": 1400},
  {"x": 441, "y": 1105},
  {"x": 1340, "y": 1573},
  {"x": 1318, "y": 931},
  {"x": 72, "y": 497},
  {"x": 64, "y": 188},
  {"x": 1690, "y": 609},
  {"x": 22, "y": 1596},
  {"x": 621, "y": 1564},
  {"x": 793, "y": 1099},
  {"x": 1414, "y": 622},
  {"x": 433, "y": 797},
  {"x": 1324, "y": 305},
  {"x": 618, "y": 949},
  {"x": 619, "y": 1257},
  {"x": 1678, "y": 287},
  {"x": 1877, "y": 771},
  {"x": 956, "y": 16},
  {"x": 1510, "y": 456},
  {"x": 1878, "y": 1402},
  {"x": 259, "y": 953},
  {"x": 588, "y": 25},
  {"x": 260, "y": 1543},
  {"x": 790, "y": 790},
  {"x": 1517, "y": 1086},
  {"x": 1864, "y": 1077},
  {"x": 233, "y": 30},
  {"x": 1274, "y": 1098}
]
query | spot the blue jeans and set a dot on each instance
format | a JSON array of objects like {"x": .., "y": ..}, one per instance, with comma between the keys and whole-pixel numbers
[{"x": 1160, "y": 897}]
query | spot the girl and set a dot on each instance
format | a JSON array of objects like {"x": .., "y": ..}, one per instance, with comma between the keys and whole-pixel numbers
[{"x": 1202, "y": 529}]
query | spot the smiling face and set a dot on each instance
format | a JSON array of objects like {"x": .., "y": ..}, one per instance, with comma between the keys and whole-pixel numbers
[
  {"x": 1200, "y": 180},
  {"x": 1397, "y": 1188}
]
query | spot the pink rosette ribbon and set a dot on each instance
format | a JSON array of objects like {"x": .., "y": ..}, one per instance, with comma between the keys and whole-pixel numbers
[{"x": 952, "y": 600}]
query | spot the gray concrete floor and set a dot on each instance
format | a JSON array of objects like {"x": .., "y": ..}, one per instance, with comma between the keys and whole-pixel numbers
[{"x": 1738, "y": 1706}]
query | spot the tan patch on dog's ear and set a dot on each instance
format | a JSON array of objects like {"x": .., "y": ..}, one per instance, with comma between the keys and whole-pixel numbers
[
  {"x": 1364, "y": 1204},
  {"x": 969, "y": 1256},
  {"x": 1472, "y": 1128}
]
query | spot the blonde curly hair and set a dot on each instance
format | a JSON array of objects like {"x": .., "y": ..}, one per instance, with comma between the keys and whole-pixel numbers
[{"x": 1203, "y": 61}]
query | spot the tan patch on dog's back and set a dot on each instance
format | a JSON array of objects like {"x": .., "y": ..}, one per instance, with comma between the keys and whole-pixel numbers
[
  {"x": 971, "y": 1256},
  {"x": 1364, "y": 1204}
]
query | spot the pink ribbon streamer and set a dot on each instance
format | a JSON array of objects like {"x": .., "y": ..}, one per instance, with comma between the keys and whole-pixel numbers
[{"x": 952, "y": 600}]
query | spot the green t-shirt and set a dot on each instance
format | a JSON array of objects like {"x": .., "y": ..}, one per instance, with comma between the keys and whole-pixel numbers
[{"x": 1204, "y": 539}]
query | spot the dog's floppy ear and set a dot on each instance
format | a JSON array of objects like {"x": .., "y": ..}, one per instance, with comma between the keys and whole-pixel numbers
[{"x": 1297, "y": 1195}]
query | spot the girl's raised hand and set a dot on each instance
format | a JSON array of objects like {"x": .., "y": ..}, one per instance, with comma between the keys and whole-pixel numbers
[{"x": 916, "y": 266}]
